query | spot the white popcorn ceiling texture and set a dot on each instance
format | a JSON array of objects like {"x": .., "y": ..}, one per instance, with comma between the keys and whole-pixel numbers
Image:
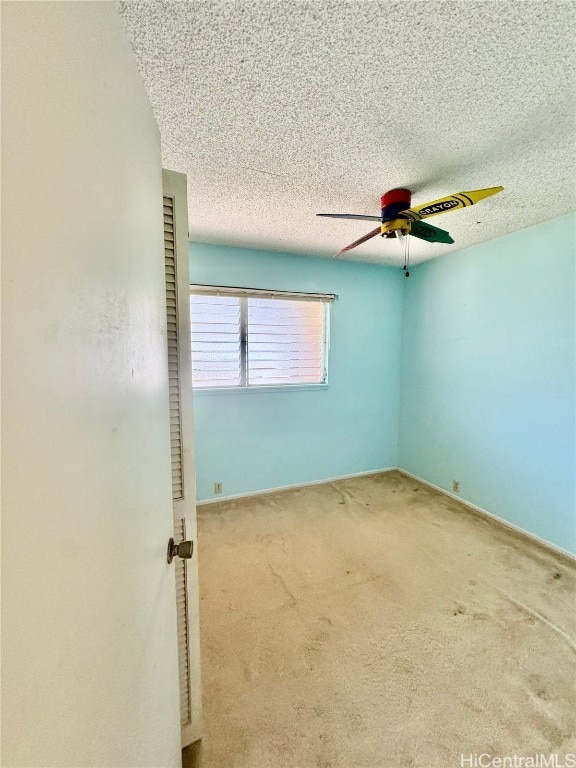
[{"x": 277, "y": 110}]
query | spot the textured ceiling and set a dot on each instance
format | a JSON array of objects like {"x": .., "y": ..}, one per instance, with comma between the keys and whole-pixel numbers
[{"x": 277, "y": 110}]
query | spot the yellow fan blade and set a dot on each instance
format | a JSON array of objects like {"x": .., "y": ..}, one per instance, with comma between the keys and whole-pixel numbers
[{"x": 450, "y": 203}]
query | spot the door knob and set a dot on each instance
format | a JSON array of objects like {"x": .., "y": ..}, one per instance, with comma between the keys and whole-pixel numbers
[{"x": 184, "y": 550}]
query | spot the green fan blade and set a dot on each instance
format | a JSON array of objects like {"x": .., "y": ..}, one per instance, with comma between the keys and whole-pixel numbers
[{"x": 429, "y": 233}]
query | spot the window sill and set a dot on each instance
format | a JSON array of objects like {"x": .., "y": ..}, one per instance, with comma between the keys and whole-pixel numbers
[{"x": 204, "y": 391}]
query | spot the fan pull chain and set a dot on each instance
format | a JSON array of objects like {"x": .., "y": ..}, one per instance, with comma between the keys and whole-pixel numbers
[
  {"x": 408, "y": 256},
  {"x": 406, "y": 266}
]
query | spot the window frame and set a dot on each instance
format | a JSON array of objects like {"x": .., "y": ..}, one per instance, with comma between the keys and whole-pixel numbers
[{"x": 244, "y": 294}]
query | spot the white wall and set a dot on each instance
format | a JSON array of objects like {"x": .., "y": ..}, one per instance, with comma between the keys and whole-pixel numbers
[{"x": 88, "y": 611}]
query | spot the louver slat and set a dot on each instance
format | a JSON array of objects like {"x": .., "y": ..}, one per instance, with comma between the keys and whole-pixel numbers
[
  {"x": 182, "y": 613},
  {"x": 173, "y": 361},
  {"x": 176, "y": 456}
]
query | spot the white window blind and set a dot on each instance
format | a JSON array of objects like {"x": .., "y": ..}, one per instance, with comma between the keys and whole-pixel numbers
[
  {"x": 215, "y": 329},
  {"x": 259, "y": 338}
]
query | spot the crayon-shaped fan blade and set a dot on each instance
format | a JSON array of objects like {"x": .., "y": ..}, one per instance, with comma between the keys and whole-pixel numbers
[
  {"x": 350, "y": 216},
  {"x": 450, "y": 203},
  {"x": 429, "y": 233},
  {"x": 359, "y": 242}
]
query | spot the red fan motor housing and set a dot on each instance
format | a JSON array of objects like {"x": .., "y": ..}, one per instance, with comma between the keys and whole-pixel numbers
[{"x": 393, "y": 202}]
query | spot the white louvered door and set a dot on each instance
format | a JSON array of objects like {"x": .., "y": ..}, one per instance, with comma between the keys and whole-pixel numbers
[{"x": 181, "y": 437}]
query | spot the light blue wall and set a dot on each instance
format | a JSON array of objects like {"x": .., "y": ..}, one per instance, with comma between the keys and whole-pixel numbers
[
  {"x": 487, "y": 392},
  {"x": 488, "y": 377},
  {"x": 251, "y": 440}
]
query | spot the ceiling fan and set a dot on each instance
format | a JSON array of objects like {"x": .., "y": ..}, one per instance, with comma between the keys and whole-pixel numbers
[{"x": 398, "y": 219}]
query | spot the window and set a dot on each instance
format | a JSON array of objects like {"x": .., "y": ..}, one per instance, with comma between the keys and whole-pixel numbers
[{"x": 250, "y": 338}]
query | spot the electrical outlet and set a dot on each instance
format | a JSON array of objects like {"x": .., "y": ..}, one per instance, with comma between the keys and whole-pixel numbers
[
  {"x": 456, "y": 486},
  {"x": 217, "y": 487}
]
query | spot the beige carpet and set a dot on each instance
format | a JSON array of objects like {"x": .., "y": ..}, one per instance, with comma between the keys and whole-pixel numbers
[{"x": 375, "y": 623}]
